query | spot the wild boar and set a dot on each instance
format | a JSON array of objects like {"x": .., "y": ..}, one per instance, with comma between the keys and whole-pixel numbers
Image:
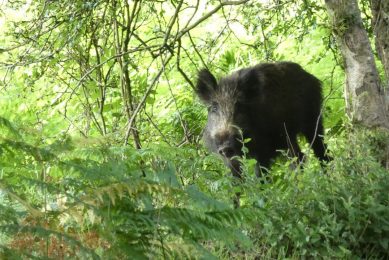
[{"x": 270, "y": 103}]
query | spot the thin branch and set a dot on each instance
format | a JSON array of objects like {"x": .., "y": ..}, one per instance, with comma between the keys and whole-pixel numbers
[
  {"x": 157, "y": 128},
  {"x": 209, "y": 14},
  {"x": 196, "y": 50},
  {"x": 182, "y": 122},
  {"x": 80, "y": 81},
  {"x": 172, "y": 21},
  {"x": 143, "y": 100},
  {"x": 179, "y": 68}
]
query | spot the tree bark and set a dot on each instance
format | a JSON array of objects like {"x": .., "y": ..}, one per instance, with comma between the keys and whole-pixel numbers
[
  {"x": 366, "y": 102},
  {"x": 380, "y": 25}
]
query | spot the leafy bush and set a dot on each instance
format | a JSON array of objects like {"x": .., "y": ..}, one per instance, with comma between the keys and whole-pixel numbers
[
  {"x": 88, "y": 199},
  {"x": 75, "y": 73},
  {"x": 99, "y": 201},
  {"x": 339, "y": 211}
]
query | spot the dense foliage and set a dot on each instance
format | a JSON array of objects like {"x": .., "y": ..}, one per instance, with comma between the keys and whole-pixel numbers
[{"x": 100, "y": 151}]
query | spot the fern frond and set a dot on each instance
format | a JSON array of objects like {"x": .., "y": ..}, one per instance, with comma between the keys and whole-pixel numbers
[
  {"x": 34, "y": 212},
  {"x": 44, "y": 233},
  {"x": 9, "y": 126}
]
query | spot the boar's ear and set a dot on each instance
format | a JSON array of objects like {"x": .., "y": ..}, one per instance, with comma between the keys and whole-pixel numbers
[
  {"x": 206, "y": 85},
  {"x": 250, "y": 83}
]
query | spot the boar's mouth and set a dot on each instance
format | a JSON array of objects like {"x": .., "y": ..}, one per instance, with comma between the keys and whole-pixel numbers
[
  {"x": 231, "y": 152},
  {"x": 234, "y": 164}
]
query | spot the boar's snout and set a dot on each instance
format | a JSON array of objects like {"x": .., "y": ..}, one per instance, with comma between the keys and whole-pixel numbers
[
  {"x": 226, "y": 151},
  {"x": 228, "y": 144}
]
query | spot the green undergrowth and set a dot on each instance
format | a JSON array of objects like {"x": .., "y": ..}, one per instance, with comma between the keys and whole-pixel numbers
[{"x": 86, "y": 198}]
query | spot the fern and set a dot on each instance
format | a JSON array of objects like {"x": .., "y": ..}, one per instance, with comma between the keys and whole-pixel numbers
[
  {"x": 62, "y": 194},
  {"x": 6, "y": 124},
  {"x": 85, "y": 199}
]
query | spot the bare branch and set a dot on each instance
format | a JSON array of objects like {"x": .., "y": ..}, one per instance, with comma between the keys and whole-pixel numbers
[
  {"x": 207, "y": 15},
  {"x": 179, "y": 68},
  {"x": 143, "y": 100}
]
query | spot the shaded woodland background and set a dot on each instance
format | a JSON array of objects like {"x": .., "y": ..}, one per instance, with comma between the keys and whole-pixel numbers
[{"x": 100, "y": 141}]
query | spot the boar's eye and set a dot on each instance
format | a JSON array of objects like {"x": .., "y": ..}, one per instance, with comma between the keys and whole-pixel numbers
[{"x": 214, "y": 107}]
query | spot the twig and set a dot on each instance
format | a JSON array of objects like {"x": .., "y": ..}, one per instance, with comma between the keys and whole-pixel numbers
[
  {"x": 182, "y": 122},
  {"x": 179, "y": 68},
  {"x": 156, "y": 127},
  {"x": 143, "y": 100},
  {"x": 209, "y": 14}
]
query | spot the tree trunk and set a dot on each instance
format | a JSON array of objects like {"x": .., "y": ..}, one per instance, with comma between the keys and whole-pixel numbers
[
  {"x": 365, "y": 98},
  {"x": 367, "y": 102},
  {"x": 380, "y": 25}
]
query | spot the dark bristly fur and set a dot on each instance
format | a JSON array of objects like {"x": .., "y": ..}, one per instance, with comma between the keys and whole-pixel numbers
[{"x": 269, "y": 103}]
